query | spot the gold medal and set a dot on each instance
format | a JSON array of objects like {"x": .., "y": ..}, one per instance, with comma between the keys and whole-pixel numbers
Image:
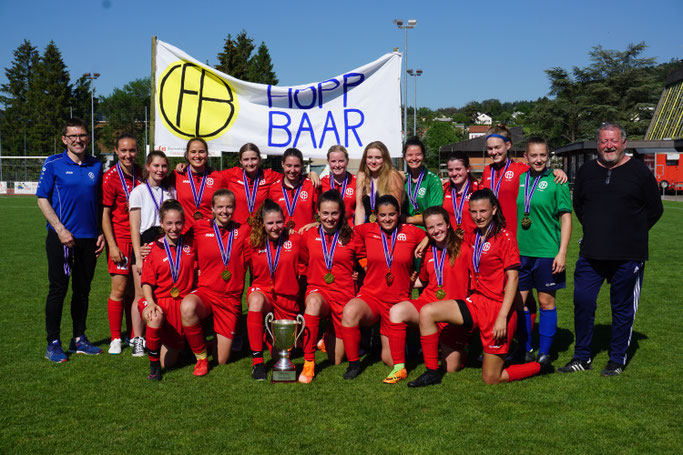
[
  {"x": 250, "y": 220},
  {"x": 440, "y": 293},
  {"x": 389, "y": 277},
  {"x": 291, "y": 224},
  {"x": 226, "y": 275},
  {"x": 329, "y": 278},
  {"x": 526, "y": 221},
  {"x": 197, "y": 215},
  {"x": 175, "y": 292},
  {"x": 372, "y": 218}
]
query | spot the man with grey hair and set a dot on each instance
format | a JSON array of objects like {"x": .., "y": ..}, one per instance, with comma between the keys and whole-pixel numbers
[{"x": 617, "y": 201}]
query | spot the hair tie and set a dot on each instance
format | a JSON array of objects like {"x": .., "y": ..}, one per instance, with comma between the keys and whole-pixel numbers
[{"x": 498, "y": 135}]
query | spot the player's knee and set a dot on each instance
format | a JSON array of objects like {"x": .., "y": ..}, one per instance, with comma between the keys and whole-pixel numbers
[
  {"x": 188, "y": 309},
  {"x": 351, "y": 315},
  {"x": 490, "y": 377},
  {"x": 255, "y": 302},
  {"x": 314, "y": 304}
]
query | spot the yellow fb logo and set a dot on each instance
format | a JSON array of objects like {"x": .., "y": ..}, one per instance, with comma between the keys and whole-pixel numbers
[{"x": 194, "y": 102}]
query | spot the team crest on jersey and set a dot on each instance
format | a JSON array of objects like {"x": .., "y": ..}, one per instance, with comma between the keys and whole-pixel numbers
[
  {"x": 509, "y": 175},
  {"x": 422, "y": 191},
  {"x": 543, "y": 185},
  {"x": 186, "y": 249},
  {"x": 287, "y": 245},
  {"x": 234, "y": 232},
  {"x": 209, "y": 181},
  {"x": 349, "y": 191},
  {"x": 402, "y": 237},
  {"x": 304, "y": 195},
  {"x": 91, "y": 175},
  {"x": 487, "y": 246}
]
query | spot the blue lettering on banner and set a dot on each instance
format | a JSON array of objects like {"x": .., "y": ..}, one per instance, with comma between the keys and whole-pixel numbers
[
  {"x": 333, "y": 128},
  {"x": 313, "y": 97},
  {"x": 302, "y": 128},
  {"x": 348, "y": 127},
  {"x": 279, "y": 120},
  {"x": 348, "y": 84},
  {"x": 321, "y": 90},
  {"x": 272, "y": 126},
  {"x": 271, "y": 96}
]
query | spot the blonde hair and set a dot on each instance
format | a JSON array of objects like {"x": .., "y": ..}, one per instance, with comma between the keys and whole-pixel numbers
[
  {"x": 501, "y": 130},
  {"x": 384, "y": 173}
]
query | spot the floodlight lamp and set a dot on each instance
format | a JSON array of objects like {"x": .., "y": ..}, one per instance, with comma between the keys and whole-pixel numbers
[
  {"x": 412, "y": 22},
  {"x": 398, "y": 22},
  {"x": 419, "y": 72}
]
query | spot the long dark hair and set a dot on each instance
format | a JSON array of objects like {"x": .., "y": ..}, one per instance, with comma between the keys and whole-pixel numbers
[
  {"x": 454, "y": 240},
  {"x": 498, "y": 218},
  {"x": 150, "y": 157},
  {"x": 258, "y": 232},
  {"x": 343, "y": 227}
]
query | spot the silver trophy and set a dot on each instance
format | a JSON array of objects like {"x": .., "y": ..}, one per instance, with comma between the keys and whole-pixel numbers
[{"x": 285, "y": 337}]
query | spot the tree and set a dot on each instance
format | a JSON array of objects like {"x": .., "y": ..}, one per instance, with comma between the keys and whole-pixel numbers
[
  {"x": 261, "y": 67},
  {"x": 438, "y": 135},
  {"x": 236, "y": 55},
  {"x": 124, "y": 111}
]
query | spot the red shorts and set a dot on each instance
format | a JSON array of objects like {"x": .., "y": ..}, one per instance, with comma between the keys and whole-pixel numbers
[
  {"x": 284, "y": 306},
  {"x": 484, "y": 313},
  {"x": 172, "y": 330},
  {"x": 226, "y": 310},
  {"x": 380, "y": 311},
  {"x": 453, "y": 336},
  {"x": 336, "y": 306},
  {"x": 122, "y": 268}
]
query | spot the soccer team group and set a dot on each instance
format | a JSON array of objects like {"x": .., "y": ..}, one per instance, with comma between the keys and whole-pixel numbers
[{"x": 345, "y": 250}]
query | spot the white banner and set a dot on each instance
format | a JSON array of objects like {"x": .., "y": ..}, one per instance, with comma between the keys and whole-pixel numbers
[
  {"x": 25, "y": 187},
  {"x": 352, "y": 109},
  {"x": 3, "y": 187}
]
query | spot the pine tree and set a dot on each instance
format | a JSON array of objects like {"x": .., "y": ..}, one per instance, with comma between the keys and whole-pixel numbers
[
  {"x": 261, "y": 67},
  {"x": 124, "y": 111},
  {"x": 234, "y": 60}
]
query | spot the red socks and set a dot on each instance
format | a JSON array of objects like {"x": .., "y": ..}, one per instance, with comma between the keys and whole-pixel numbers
[
  {"x": 195, "y": 338},
  {"x": 430, "y": 350},
  {"x": 255, "y": 333},
  {"x": 310, "y": 336},
  {"x": 115, "y": 312},
  {"x": 351, "y": 338},
  {"x": 396, "y": 332},
  {"x": 524, "y": 370},
  {"x": 153, "y": 343}
]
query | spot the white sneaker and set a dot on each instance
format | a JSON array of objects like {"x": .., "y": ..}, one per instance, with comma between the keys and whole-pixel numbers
[
  {"x": 115, "y": 346},
  {"x": 138, "y": 347}
]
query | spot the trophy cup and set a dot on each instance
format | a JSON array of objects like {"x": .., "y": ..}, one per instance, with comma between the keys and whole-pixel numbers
[{"x": 285, "y": 336}]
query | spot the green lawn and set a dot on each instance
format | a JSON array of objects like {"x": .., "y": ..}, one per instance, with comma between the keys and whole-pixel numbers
[{"x": 105, "y": 404}]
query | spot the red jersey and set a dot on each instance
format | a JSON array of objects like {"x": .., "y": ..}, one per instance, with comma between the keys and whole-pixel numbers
[
  {"x": 499, "y": 254},
  {"x": 234, "y": 180},
  {"x": 209, "y": 261},
  {"x": 286, "y": 280},
  {"x": 305, "y": 205},
  {"x": 156, "y": 270},
  {"x": 344, "y": 257},
  {"x": 507, "y": 193},
  {"x": 114, "y": 196},
  {"x": 349, "y": 193},
  {"x": 370, "y": 245},
  {"x": 467, "y": 224},
  {"x": 181, "y": 182},
  {"x": 455, "y": 278}
]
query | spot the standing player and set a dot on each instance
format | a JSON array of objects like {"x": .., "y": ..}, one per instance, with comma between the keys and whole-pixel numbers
[
  {"x": 389, "y": 248},
  {"x": 340, "y": 179},
  {"x": 494, "y": 276},
  {"x": 444, "y": 275},
  {"x": 167, "y": 276},
  {"x": 376, "y": 177},
  {"x": 457, "y": 190},
  {"x": 330, "y": 255},
  {"x": 117, "y": 185},
  {"x": 220, "y": 245},
  {"x": 293, "y": 192},
  {"x": 545, "y": 227},
  {"x": 69, "y": 198},
  {"x": 273, "y": 256},
  {"x": 422, "y": 187}
]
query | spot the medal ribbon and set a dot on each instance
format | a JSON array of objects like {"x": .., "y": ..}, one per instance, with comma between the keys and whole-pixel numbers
[
  {"x": 328, "y": 254},
  {"x": 479, "y": 248},
  {"x": 346, "y": 180},
  {"x": 438, "y": 264},
  {"x": 225, "y": 250},
  {"x": 291, "y": 206},
  {"x": 174, "y": 266},
  {"x": 458, "y": 206},
  {"x": 372, "y": 195},
  {"x": 67, "y": 266},
  {"x": 493, "y": 177},
  {"x": 412, "y": 193},
  {"x": 251, "y": 194},
  {"x": 197, "y": 198},
  {"x": 122, "y": 177},
  {"x": 151, "y": 193},
  {"x": 272, "y": 265},
  {"x": 389, "y": 257},
  {"x": 529, "y": 192}
]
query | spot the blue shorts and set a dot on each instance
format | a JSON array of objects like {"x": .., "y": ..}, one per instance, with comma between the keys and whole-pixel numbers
[{"x": 537, "y": 273}]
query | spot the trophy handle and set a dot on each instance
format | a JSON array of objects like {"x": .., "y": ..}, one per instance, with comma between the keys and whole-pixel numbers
[
  {"x": 269, "y": 320},
  {"x": 299, "y": 320}
]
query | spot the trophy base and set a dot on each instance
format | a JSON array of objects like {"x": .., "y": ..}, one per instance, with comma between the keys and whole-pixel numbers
[{"x": 283, "y": 376}]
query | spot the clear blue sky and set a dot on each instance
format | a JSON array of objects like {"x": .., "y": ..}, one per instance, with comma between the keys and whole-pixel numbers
[{"x": 467, "y": 51}]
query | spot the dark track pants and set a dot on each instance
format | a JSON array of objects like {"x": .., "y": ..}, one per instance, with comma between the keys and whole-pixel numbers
[
  {"x": 626, "y": 279},
  {"x": 82, "y": 263}
]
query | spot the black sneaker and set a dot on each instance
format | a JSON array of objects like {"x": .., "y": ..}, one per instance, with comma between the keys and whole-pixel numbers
[
  {"x": 612, "y": 369},
  {"x": 154, "y": 371},
  {"x": 576, "y": 365},
  {"x": 258, "y": 372},
  {"x": 429, "y": 377},
  {"x": 546, "y": 365},
  {"x": 352, "y": 371}
]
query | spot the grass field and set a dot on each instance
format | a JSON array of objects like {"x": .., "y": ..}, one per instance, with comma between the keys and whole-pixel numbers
[{"x": 105, "y": 404}]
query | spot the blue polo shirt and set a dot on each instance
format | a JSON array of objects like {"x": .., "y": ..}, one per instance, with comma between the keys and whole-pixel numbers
[{"x": 74, "y": 193}]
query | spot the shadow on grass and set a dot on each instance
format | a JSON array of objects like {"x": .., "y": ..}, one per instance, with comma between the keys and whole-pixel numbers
[{"x": 602, "y": 334}]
